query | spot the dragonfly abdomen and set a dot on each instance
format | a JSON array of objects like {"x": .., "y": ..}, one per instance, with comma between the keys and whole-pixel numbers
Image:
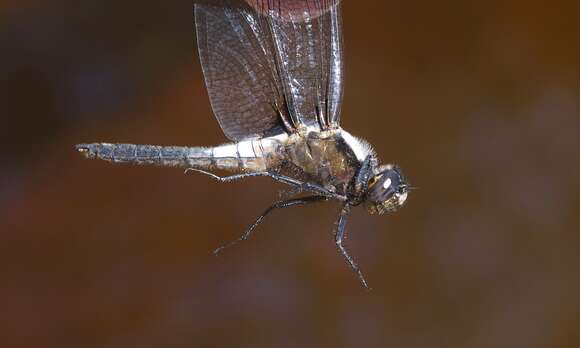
[
  {"x": 167, "y": 156},
  {"x": 243, "y": 156}
]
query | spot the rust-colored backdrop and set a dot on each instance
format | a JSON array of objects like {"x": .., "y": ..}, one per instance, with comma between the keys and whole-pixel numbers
[{"x": 477, "y": 101}]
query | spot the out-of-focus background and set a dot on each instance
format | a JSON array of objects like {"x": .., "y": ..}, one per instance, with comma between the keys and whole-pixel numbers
[{"x": 478, "y": 102}]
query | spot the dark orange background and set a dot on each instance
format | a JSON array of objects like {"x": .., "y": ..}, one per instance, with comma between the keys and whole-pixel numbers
[{"x": 478, "y": 102}]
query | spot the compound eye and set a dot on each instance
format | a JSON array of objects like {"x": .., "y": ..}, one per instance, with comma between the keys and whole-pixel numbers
[{"x": 387, "y": 183}]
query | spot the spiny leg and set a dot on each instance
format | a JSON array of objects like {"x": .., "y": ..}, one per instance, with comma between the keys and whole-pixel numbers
[
  {"x": 305, "y": 186},
  {"x": 277, "y": 205},
  {"x": 361, "y": 184},
  {"x": 225, "y": 178},
  {"x": 287, "y": 194},
  {"x": 338, "y": 237}
]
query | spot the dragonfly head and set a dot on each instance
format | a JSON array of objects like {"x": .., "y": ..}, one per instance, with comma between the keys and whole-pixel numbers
[{"x": 387, "y": 190}]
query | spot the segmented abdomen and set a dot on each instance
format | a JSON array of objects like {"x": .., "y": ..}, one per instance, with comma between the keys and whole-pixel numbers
[{"x": 250, "y": 155}]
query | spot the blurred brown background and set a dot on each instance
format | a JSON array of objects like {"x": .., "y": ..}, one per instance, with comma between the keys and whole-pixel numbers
[{"x": 477, "y": 101}]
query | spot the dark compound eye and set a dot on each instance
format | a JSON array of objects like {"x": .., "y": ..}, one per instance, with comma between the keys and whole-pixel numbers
[
  {"x": 387, "y": 185},
  {"x": 392, "y": 181}
]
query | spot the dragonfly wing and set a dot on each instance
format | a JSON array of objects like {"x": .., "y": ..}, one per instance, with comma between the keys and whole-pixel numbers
[
  {"x": 309, "y": 48},
  {"x": 271, "y": 66}
]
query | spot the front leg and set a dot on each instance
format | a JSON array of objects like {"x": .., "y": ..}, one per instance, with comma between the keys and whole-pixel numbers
[
  {"x": 338, "y": 238},
  {"x": 361, "y": 181}
]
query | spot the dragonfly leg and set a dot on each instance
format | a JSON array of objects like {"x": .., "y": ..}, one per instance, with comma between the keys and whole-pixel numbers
[
  {"x": 226, "y": 178},
  {"x": 338, "y": 238},
  {"x": 304, "y": 186},
  {"x": 277, "y": 205},
  {"x": 287, "y": 194},
  {"x": 307, "y": 186},
  {"x": 361, "y": 184}
]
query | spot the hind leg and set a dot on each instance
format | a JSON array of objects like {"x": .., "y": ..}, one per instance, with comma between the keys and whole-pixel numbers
[
  {"x": 302, "y": 186},
  {"x": 277, "y": 205}
]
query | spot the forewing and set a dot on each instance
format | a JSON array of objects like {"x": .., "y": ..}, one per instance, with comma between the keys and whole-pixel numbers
[{"x": 271, "y": 66}]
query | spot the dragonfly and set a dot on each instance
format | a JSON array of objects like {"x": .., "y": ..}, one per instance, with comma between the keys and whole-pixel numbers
[{"x": 274, "y": 74}]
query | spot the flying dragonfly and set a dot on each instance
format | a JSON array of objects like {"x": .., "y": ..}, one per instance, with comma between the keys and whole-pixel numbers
[{"x": 274, "y": 75}]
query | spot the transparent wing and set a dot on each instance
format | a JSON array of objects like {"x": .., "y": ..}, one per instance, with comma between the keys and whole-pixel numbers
[
  {"x": 236, "y": 53},
  {"x": 271, "y": 66}
]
